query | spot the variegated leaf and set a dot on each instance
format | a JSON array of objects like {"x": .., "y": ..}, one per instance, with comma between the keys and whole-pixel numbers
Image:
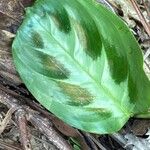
[{"x": 82, "y": 63}]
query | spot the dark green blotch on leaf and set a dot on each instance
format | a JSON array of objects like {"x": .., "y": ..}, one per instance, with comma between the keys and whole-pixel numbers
[
  {"x": 118, "y": 64},
  {"x": 37, "y": 40}
]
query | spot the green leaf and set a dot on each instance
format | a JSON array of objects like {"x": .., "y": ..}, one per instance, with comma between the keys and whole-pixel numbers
[{"x": 82, "y": 63}]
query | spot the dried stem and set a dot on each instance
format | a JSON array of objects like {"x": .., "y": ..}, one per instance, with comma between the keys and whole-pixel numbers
[
  {"x": 96, "y": 142},
  {"x": 7, "y": 146},
  {"x": 22, "y": 123},
  {"x": 46, "y": 128},
  {"x": 6, "y": 120},
  {"x": 17, "y": 20},
  {"x": 147, "y": 8}
]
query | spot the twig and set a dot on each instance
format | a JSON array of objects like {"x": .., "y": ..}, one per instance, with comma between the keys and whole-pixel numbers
[
  {"x": 46, "y": 128},
  {"x": 146, "y": 7},
  {"x": 147, "y": 54},
  {"x": 143, "y": 20},
  {"x": 6, "y": 120},
  {"x": 20, "y": 3},
  {"x": 22, "y": 123},
  {"x": 7, "y": 146},
  {"x": 41, "y": 140},
  {"x": 89, "y": 141},
  {"x": 17, "y": 20},
  {"x": 96, "y": 142},
  {"x": 147, "y": 65}
]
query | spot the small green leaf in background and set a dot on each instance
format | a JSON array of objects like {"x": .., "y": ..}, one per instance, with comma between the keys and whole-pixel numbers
[
  {"x": 82, "y": 63},
  {"x": 75, "y": 143}
]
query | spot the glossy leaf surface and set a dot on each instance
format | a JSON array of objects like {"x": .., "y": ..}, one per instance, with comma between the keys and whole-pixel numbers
[{"x": 82, "y": 63}]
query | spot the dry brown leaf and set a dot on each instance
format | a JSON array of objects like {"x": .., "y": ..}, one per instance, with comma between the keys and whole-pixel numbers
[{"x": 70, "y": 132}]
